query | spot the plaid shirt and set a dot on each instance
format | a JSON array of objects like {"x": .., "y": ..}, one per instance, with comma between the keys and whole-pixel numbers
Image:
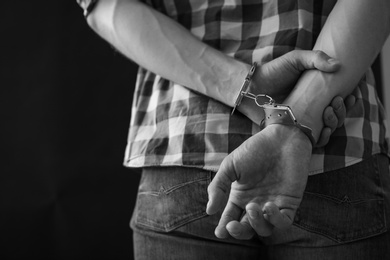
[{"x": 173, "y": 126}]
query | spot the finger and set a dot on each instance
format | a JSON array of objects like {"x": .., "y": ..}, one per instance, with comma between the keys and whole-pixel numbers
[
  {"x": 350, "y": 101},
  {"x": 241, "y": 230},
  {"x": 304, "y": 60},
  {"x": 279, "y": 218},
  {"x": 330, "y": 119},
  {"x": 324, "y": 137},
  {"x": 231, "y": 213},
  {"x": 260, "y": 225},
  {"x": 339, "y": 109},
  {"x": 219, "y": 188}
]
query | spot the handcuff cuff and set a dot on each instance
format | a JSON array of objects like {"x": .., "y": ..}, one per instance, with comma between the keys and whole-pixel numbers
[{"x": 274, "y": 113}]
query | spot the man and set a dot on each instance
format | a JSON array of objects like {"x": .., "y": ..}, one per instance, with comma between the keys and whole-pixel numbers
[{"x": 194, "y": 56}]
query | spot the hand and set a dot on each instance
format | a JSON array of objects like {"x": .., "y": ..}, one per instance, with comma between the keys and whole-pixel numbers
[
  {"x": 334, "y": 116},
  {"x": 278, "y": 77},
  {"x": 266, "y": 176}
]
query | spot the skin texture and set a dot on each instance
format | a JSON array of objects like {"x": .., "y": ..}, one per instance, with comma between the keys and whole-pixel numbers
[
  {"x": 272, "y": 185},
  {"x": 162, "y": 46},
  {"x": 268, "y": 173},
  {"x": 159, "y": 44}
]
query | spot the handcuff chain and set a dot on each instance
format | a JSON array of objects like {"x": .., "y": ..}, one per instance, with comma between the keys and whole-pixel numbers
[
  {"x": 274, "y": 113},
  {"x": 271, "y": 101}
]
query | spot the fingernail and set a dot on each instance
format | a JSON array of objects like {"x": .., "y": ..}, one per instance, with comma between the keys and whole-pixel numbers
[
  {"x": 339, "y": 104},
  {"x": 332, "y": 61},
  {"x": 269, "y": 211},
  {"x": 234, "y": 233},
  {"x": 252, "y": 213}
]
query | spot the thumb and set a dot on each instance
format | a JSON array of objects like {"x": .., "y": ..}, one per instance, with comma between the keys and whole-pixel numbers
[
  {"x": 305, "y": 60},
  {"x": 219, "y": 188}
]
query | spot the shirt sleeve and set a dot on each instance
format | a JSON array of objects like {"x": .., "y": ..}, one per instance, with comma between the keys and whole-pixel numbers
[{"x": 87, "y": 5}]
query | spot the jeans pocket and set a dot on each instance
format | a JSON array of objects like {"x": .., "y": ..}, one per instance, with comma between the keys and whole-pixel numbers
[
  {"x": 171, "y": 197},
  {"x": 345, "y": 205}
]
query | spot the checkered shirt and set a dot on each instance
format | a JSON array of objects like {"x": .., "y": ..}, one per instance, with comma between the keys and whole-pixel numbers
[{"x": 174, "y": 126}]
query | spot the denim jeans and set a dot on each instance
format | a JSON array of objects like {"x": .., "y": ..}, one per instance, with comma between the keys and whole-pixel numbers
[{"x": 343, "y": 215}]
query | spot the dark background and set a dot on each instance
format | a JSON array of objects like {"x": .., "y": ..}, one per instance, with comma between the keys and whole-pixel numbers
[{"x": 65, "y": 100}]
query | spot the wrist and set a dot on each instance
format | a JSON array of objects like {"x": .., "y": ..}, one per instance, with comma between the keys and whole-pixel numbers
[
  {"x": 289, "y": 135},
  {"x": 306, "y": 115},
  {"x": 282, "y": 114},
  {"x": 245, "y": 106},
  {"x": 267, "y": 81},
  {"x": 249, "y": 109}
]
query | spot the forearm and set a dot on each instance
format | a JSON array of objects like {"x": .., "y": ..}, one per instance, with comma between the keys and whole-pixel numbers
[
  {"x": 353, "y": 33},
  {"x": 164, "y": 47}
]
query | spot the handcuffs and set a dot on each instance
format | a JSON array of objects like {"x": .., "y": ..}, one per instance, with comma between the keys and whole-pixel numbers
[{"x": 274, "y": 113}]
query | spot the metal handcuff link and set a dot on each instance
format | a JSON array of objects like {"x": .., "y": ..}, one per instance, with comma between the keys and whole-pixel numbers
[{"x": 274, "y": 113}]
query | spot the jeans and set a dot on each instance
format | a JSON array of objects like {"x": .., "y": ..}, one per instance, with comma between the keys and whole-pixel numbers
[{"x": 343, "y": 215}]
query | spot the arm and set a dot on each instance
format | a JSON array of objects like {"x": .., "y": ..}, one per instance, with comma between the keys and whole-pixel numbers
[
  {"x": 164, "y": 47},
  {"x": 354, "y": 33},
  {"x": 271, "y": 189}
]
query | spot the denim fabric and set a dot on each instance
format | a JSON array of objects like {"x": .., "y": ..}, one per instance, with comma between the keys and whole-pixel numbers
[
  {"x": 169, "y": 200},
  {"x": 340, "y": 206},
  {"x": 343, "y": 215}
]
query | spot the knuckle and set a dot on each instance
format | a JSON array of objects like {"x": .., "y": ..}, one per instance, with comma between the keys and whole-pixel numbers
[
  {"x": 331, "y": 118},
  {"x": 318, "y": 53},
  {"x": 227, "y": 216},
  {"x": 338, "y": 104},
  {"x": 318, "y": 56},
  {"x": 294, "y": 56}
]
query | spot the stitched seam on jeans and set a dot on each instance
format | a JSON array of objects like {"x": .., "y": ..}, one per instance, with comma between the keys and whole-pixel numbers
[
  {"x": 378, "y": 174},
  {"x": 339, "y": 201},
  {"x": 376, "y": 230},
  {"x": 173, "y": 226},
  {"x": 349, "y": 236},
  {"x": 173, "y": 188},
  {"x": 173, "y": 223}
]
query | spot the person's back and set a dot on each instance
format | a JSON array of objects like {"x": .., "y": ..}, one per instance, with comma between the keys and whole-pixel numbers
[{"x": 191, "y": 56}]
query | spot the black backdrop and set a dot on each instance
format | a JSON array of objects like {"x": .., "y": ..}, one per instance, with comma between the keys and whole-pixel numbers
[{"x": 65, "y": 99}]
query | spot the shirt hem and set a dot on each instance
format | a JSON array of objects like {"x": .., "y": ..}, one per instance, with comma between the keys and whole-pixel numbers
[{"x": 130, "y": 163}]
